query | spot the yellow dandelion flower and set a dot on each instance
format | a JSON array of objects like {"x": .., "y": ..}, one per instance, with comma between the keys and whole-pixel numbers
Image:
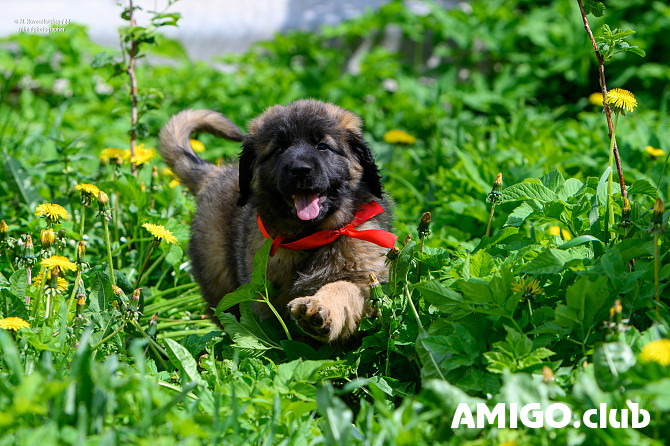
[
  {"x": 90, "y": 189},
  {"x": 621, "y": 100},
  {"x": 89, "y": 192},
  {"x": 174, "y": 183},
  {"x": 143, "y": 155},
  {"x": 560, "y": 232},
  {"x": 197, "y": 146},
  {"x": 52, "y": 212},
  {"x": 529, "y": 289},
  {"x": 62, "y": 283},
  {"x": 656, "y": 351},
  {"x": 399, "y": 137},
  {"x": 58, "y": 261},
  {"x": 160, "y": 232},
  {"x": 654, "y": 152},
  {"x": 596, "y": 99},
  {"x": 111, "y": 153},
  {"x": 13, "y": 323}
]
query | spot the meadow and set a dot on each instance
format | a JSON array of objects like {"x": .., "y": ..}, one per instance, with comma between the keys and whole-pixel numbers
[{"x": 525, "y": 272}]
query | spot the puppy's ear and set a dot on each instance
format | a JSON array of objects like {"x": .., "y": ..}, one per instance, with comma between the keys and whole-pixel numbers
[
  {"x": 367, "y": 161},
  {"x": 247, "y": 160}
]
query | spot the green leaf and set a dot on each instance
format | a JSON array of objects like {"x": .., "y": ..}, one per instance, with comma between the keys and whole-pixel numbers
[
  {"x": 585, "y": 299},
  {"x": 594, "y": 7},
  {"x": 529, "y": 190},
  {"x": 182, "y": 359},
  {"x": 444, "y": 299},
  {"x": 579, "y": 241},
  {"x": 643, "y": 187},
  {"x": 19, "y": 180},
  {"x": 569, "y": 189},
  {"x": 243, "y": 337},
  {"x": 102, "y": 293},
  {"x": 553, "y": 180},
  {"x": 549, "y": 261},
  {"x": 18, "y": 283},
  {"x": 245, "y": 293},
  {"x": 10, "y": 355},
  {"x": 260, "y": 269}
]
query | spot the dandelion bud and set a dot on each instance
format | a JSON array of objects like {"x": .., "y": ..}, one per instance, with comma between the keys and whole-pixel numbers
[
  {"x": 657, "y": 218},
  {"x": 625, "y": 213},
  {"x": 393, "y": 254},
  {"x": 659, "y": 210},
  {"x": 153, "y": 186},
  {"x": 407, "y": 239},
  {"x": 4, "y": 230},
  {"x": 374, "y": 282},
  {"x": 616, "y": 309},
  {"x": 81, "y": 249},
  {"x": 424, "y": 226},
  {"x": 81, "y": 302},
  {"x": 153, "y": 326},
  {"x": 103, "y": 206},
  {"x": 495, "y": 196},
  {"x": 135, "y": 299},
  {"x": 28, "y": 250},
  {"x": 47, "y": 237}
]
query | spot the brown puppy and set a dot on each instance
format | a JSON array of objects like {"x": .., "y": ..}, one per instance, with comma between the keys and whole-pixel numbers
[{"x": 304, "y": 168}]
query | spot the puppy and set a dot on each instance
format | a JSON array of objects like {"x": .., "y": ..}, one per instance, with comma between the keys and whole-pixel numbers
[{"x": 307, "y": 179}]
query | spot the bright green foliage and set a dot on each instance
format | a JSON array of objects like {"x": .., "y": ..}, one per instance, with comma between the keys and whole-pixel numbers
[{"x": 530, "y": 314}]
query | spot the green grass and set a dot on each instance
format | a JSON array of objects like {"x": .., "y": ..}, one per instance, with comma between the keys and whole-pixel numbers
[{"x": 555, "y": 306}]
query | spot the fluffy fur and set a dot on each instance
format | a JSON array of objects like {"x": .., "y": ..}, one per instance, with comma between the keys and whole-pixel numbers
[{"x": 290, "y": 155}]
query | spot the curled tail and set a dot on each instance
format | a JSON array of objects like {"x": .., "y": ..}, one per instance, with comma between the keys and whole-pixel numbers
[{"x": 175, "y": 146}]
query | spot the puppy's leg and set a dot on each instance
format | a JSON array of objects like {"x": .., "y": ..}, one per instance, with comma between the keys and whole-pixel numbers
[{"x": 333, "y": 313}]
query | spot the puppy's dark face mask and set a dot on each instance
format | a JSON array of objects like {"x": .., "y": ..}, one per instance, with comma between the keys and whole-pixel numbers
[{"x": 305, "y": 159}]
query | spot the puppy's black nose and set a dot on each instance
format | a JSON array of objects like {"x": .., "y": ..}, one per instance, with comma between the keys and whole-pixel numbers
[{"x": 300, "y": 172}]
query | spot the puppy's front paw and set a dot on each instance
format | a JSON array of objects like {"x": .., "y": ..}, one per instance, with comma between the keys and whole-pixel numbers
[{"x": 312, "y": 317}]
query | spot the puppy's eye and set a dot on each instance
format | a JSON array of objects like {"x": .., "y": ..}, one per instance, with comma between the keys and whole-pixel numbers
[
  {"x": 322, "y": 146},
  {"x": 279, "y": 150}
]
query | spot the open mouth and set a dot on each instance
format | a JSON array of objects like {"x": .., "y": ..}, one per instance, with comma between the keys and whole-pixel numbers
[{"x": 307, "y": 205}]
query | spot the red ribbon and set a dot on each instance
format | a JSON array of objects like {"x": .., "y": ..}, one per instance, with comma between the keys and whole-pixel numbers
[{"x": 321, "y": 238}]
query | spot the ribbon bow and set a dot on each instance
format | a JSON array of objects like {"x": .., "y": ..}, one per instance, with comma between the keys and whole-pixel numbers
[{"x": 321, "y": 238}]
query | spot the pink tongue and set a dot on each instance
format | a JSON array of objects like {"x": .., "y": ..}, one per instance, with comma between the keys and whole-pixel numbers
[{"x": 307, "y": 206}]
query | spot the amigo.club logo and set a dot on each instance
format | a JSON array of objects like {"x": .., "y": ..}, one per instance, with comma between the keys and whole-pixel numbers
[{"x": 556, "y": 415}]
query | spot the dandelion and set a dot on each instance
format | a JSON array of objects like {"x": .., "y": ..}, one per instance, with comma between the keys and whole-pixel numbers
[
  {"x": 4, "y": 230},
  {"x": 89, "y": 192},
  {"x": 58, "y": 262},
  {"x": 495, "y": 196},
  {"x": 625, "y": 214},
  {"x": 142, "y": 155},
  {"x": 596, "y": 99},
  {"x": 399, "y": 137},
  {"x": 559, "y": 232},
  {"x": 657, "y": 351},
  {"x": 13, "y": 323},
  {"x": 159, "y": 232},
  {"x": 424, "y": 232},
  {"x": 112, "y": 153},
  {"x": 529, "y": 289},
  {"x": 654, "y": 152},
  {"x": 197, "y": 146},
  {"x": 52, "y": 213},
  {"x": 621, "y": 100}
]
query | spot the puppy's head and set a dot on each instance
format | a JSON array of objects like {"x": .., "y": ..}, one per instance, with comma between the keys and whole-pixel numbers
[{"x": 306, "y": 160}]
